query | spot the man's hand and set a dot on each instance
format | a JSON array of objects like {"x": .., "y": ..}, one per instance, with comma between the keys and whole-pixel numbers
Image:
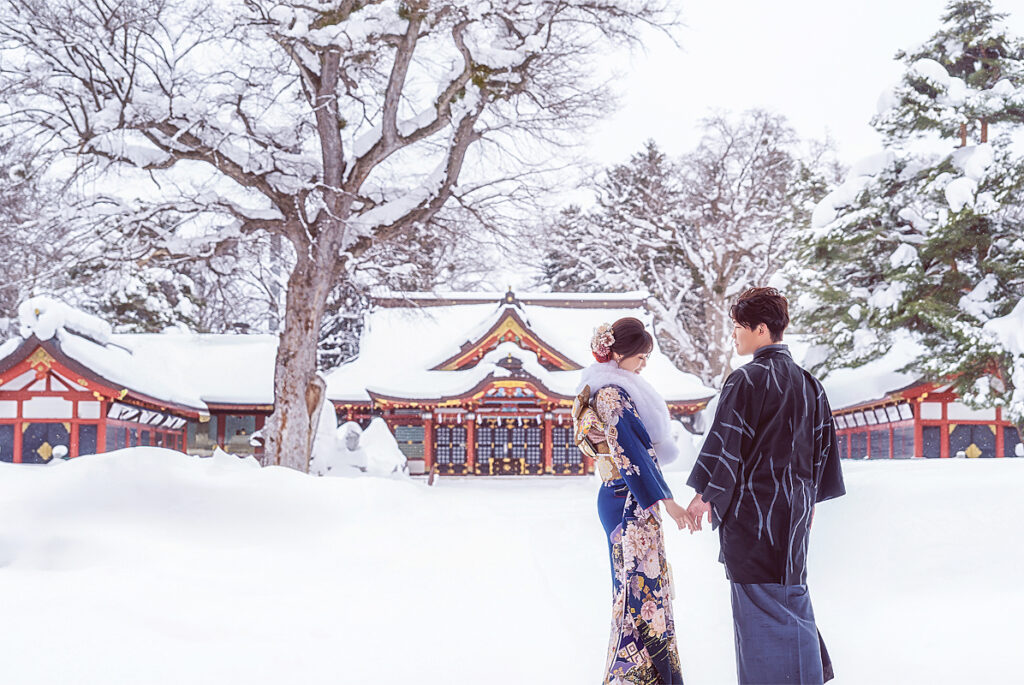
[
  {"x": 697, "y": 509},
  {"x": 679, "y": 515}
]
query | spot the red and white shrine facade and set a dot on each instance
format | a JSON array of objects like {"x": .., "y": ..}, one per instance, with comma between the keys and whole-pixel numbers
[
  {"x": 923, "y": 420},
  {"x": 475, "y": 384},
  {"x": 53, "y": 406},
  {"x": 71, "y": 387}
]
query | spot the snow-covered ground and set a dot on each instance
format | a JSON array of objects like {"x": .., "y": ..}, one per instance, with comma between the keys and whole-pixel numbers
[{"x": 147, "y": 566}]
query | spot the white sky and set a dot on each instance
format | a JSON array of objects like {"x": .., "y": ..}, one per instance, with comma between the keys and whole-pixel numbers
[{"x": 820, "y": 63}]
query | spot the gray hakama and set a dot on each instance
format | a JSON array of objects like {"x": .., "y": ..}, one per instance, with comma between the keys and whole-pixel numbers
[{"x": 776, "y": 637}]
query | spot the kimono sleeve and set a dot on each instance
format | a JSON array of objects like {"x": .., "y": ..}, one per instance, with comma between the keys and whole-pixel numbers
[
  {"x": 715, "y": 474},
  {"x": 623, "y": 430},
  {"x": 828, "y": 472}
]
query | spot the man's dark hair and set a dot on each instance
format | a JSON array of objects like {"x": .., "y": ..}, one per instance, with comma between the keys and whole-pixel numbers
[{"x": 766, "y": 306}]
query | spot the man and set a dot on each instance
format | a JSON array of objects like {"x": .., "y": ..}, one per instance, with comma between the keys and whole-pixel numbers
[{"x": 769, "y": 456}]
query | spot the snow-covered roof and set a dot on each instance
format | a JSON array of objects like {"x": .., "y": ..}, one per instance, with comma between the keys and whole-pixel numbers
[
  {"x": 849, "y": 387},
  {"x": 87, "y": 341},
  {"x": 401, "y": 345},
  {"x": 399, "y": 348},
  {"x": 219, "y": 368},
  {"x": 192, "y": 370}
]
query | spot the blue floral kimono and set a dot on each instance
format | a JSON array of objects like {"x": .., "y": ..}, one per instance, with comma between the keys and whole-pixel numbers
[{"x": 642, "y": 650}]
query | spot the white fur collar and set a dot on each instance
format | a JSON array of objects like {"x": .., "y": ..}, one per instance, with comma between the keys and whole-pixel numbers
[{"x": 649, "y": 404}]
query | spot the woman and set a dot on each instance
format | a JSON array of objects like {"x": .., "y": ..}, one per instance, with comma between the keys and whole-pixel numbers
[{"x": 635, "y": 432}]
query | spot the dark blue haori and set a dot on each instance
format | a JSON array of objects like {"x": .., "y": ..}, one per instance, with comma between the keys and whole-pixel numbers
[{"x": 770, "y": 455}]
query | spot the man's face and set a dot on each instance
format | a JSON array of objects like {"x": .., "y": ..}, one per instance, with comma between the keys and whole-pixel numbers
[{"x": 746, "y": 340}]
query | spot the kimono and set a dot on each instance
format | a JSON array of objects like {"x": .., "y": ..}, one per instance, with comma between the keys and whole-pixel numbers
[
  {"x": 642, "y": 649},
  {"x": 770, "y": 455}
]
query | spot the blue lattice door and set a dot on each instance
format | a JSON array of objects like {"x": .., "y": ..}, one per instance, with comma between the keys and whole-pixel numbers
[
  {"x": 566, "y": 458},
  {"x": 972, "y": 440},
  {"x": 39, "y": 442},
  {"x": 450, "y": 449}
]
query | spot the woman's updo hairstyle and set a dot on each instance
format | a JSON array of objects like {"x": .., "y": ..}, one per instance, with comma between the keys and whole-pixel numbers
[{"x": 625, "y": 337}]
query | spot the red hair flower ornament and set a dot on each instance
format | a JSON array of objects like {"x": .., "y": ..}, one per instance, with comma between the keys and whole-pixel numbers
[{"x": 601, "y": 343}]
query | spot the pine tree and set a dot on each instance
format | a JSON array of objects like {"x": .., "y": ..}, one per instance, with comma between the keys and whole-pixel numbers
[
  {"x": 693, "y": 232},
  {"x": 925, "y": 236}
]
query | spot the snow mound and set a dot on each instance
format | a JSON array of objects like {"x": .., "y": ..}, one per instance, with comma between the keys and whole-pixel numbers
[
  {"x": 128, "y": 557},
  {"x": 383, "y": 456},
  {"x": 43, "y": 316}
]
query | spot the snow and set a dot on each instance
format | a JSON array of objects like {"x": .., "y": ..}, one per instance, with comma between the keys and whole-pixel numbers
[
  {"x": 218, "y": 367},
  {"x": 400, "y": 344},
  {"x": 43, "y": 316},
  {"x": 1008, "y": 331},
  {"x": 183, "y": 368},
  {"x": 960, "y": 193},
  {"x": 931, "y": 71},
  {"x": 861, "y": 173},
  {"x": 974, "y": 160},
  {"x": 850, "y": 386},
  {"x": 383, "y": 457},
  {"x": 904, "y": 255},
  {"x": 146, "y": 565},
  {"x": 978, "y": 303},
  {"x": 373, "y": 451}
]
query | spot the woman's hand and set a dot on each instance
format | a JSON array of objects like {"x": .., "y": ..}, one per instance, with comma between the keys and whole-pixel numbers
[{"x": 679, "y": 514}]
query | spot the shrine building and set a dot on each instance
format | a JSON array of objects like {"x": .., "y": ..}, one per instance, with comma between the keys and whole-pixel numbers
[
  {"x": 470, "y": 384},
  {"x": 885, "y": 410},
  {"x": 483, "y": 384}
]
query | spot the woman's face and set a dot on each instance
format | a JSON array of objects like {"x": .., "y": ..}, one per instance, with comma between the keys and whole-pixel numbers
[{"x": 635, "y": 363}]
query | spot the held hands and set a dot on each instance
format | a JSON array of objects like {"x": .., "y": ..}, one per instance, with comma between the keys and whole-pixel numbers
[
  {"x": 697, "y": 509},
  {"x": 680, "y": 515}
]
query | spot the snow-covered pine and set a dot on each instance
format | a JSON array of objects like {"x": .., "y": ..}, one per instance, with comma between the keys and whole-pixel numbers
[
  {"x": 336, "y": 125},
  {"x": 694, "y": 232},
  {"x": 927, "y": 236}
]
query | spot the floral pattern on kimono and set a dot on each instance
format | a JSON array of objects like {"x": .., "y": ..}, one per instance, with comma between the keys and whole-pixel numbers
[{"x": 642, "y": 649}]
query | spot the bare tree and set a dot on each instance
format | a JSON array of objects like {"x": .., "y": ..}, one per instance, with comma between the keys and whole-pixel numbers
[
  {"x": 693, "y": 232},
  {"x": 334, "y": 124}
]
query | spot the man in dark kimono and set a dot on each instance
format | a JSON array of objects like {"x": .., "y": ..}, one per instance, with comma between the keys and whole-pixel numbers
[{"x": 768, "y": 458}]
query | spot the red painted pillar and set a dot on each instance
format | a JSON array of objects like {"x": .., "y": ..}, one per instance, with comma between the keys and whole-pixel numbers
[
  {"x": 19, "y": 427},
  {"x": 428, "y": 440},
  {"x": 1000, "y": 430},
  {"x": 101, "y": 430},
  {"x": 470, "y": 442},
  {"x": 548, "y": 447}
]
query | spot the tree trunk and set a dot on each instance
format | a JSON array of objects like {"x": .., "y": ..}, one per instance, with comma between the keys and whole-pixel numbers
[{"x": 299, "y": 392}]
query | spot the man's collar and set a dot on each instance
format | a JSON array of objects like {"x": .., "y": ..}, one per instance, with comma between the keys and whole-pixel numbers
[{"x": 771, "y": 349}]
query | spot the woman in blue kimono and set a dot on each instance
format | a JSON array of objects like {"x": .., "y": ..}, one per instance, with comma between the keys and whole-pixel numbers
[{"x": 631, "y": 429}]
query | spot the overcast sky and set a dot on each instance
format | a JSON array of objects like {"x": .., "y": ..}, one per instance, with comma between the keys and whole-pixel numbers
[{"x": 820, "y": 63}]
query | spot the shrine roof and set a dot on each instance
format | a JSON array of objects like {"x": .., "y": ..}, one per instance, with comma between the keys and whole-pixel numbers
[
  {"x": 403, "y": 343},
  {"x": 221, "y": 368},
  {"x": 190, "y": 370},
  {"x": 868, "y": 383},
  {"x": 108, "y": 364}
]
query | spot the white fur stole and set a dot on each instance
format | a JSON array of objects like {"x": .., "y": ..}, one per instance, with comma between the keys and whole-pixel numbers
[{"x": 649, "y": 404}]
